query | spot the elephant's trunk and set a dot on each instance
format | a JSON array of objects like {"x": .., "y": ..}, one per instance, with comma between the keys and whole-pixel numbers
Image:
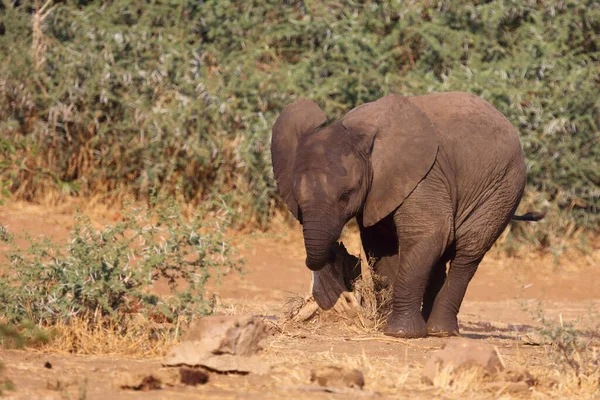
[{"x": 319, "y": 236}]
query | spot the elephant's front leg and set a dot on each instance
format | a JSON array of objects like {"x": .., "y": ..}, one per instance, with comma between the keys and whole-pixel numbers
[{"x": 416, "y": 262}]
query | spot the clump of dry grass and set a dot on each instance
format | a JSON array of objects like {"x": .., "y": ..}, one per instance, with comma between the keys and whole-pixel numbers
[
  {"x": 389, "y": 374},
  {"x": 134, "y": 336},
  {"x": 386, "y": 374},
  {"x": 459, "y": 381},
  {"x": 380, "y": 306},
  {"x": 346, "y": 290},
  {"x": 138, "y": 337},
  {"x": 567, "y": 384}
]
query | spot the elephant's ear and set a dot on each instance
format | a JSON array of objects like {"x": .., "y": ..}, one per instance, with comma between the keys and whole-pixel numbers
[
  {"x": 404, "y": 149},
  {"x": 298, "y": 118}
]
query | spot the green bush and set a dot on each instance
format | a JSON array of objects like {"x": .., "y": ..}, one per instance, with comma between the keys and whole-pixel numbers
[
  {"x": 107, "y": 274},
  {"x": 24, "y": 334},
  {"x": 126, "y": 96}
]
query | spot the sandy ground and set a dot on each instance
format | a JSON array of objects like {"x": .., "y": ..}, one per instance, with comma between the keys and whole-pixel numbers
[{"x": 498, "y": 307}]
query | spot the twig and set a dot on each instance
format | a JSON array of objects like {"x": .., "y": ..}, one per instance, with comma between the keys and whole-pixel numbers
[{"x": 392, "y": 340}]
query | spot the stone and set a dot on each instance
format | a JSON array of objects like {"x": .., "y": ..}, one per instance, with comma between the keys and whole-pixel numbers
[
  {"x": 459, "y": 353},
  {"x": 146, "y": 380},
  {"x": 222, "y": 343},
  {"x": 534, "y": 338},
  {"x": 192, "y": 376}
]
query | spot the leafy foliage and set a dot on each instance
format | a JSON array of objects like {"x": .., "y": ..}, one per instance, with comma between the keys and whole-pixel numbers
[
  {"x": 24, "y": 334},
  {"x": 100, "y": 97},
  {"x": 107, "y": 275}
]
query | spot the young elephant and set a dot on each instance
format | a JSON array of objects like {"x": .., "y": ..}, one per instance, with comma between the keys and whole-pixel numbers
[{"x": 430, "y": 179}]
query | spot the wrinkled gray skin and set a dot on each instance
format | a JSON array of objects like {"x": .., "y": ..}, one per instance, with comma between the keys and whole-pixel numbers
[{"x": 430, "y": 179}]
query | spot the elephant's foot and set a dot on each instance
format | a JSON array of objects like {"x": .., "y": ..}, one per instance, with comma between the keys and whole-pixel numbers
[
  {"x": 403, "y": 326},
  {"x": 442, "y": 326}
]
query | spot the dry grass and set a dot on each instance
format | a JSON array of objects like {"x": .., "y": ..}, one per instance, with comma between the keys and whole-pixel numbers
[
  {"x": 382, "y": 374},
  {"x": 532, "y": 371},
  {"x": 555, "y": 380},
  {"x": 137, "y": 338},
  {"x": 294, "y": 350},
  {"x": 396, "y": 375},
  {"x": 459, "y": 382}
]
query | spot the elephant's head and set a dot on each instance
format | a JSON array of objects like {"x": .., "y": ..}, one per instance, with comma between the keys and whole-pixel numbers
[{"x": 365, "y": 164}]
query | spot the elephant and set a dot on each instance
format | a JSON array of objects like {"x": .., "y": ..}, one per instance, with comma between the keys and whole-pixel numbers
[{"x": 431, "y": 179}]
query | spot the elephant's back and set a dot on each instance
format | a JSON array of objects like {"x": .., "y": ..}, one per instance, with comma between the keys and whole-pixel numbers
[
  {"x": 477, "y": 142},
  {"x": 467, "y": 123}
]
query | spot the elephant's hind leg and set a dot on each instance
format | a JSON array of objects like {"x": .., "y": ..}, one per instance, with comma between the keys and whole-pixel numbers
[
  {"x": 443, "y": 318},
  {"x": 473, "y": 239}
]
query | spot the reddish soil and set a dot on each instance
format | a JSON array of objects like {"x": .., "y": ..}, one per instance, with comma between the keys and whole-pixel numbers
[{"x": 493, "y": 311}]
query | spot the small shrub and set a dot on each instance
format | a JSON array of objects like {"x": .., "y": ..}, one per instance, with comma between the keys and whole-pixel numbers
[
  {"x": 570, "y": 349},
  {"x": 24, "y": 334},
  {"x": 106, "y": 275}
]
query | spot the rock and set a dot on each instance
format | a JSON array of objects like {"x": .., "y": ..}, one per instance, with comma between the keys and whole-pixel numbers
[
  {"x": 459, "y": 353},
  {"x": 192, "y": 376},
  {"x": 193, "y": 355},
  {"x": 333, "y": 376},
  {"x": 222, "y": 343},
  {"x": 146, "y": 380},
  {"x": 236, "y": 335},
  {"x": 535, "y": 338},
  {"x": 159, "y": 378}
]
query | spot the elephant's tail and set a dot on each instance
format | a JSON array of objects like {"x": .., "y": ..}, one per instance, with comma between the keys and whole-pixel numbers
[{"x": 530, "y": 216}]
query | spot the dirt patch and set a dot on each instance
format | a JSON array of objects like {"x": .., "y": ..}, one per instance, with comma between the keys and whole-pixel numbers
[{"x": 499, "y": 310}]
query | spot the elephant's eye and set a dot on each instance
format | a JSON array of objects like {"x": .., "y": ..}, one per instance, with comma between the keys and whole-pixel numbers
[{"x": 345, "y": 197}]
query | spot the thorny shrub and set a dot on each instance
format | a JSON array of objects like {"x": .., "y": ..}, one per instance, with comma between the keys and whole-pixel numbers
[
  {"x": 196, "y": 86},
  {"x": 570, "y": 348},
  {"x": 106, "y": 275}
]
